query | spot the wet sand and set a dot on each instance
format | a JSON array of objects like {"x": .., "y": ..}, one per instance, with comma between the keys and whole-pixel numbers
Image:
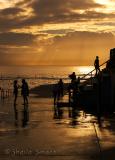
[{"x": 46, "y": 137}]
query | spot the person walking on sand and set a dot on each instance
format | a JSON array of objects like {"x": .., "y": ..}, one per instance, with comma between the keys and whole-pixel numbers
[
  {"x": 25, "y": 91},
  {"x": 96, "y": 64},
  {"x": 15, "y": 91}
]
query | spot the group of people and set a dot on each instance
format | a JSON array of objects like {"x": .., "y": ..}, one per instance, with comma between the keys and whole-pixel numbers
[
  {"x": 58, "y": 89},
  {"x": 24, "y": 91}
]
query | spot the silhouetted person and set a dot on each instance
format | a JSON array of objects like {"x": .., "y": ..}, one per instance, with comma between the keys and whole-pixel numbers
[
  {"x": 74, "y": 119},
  {"x": 60, "y": 113},
  {"x": 15, "y": 91},
  {"x": 75, "y": 94},
  {"x": 74, "y": 85},
  {"x": 58, "y": 91},
  {"x": 25, "y": 91},
  {"x": 55, "y": 93},
  {"x": 60, "y": 88},
  {"x": 78, "y": 80},
  {"x": 72, "y": 77},
  {"x": 96, "y": 64},
  {"x": 16, "y": 115},
  {"x": 25, "y": 116}
]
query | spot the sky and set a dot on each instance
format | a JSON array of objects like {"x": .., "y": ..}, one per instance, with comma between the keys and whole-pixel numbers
[{"x": 56, "y": 32}]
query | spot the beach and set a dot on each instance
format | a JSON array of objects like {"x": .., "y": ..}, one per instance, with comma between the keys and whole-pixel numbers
[
  {"x": 57, "y": 80},
  {"x": 36, "y": 132}
]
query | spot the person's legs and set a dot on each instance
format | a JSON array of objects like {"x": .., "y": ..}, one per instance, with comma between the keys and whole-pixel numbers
[
  {"x": 55, "y": 96},
  {"x": 26, "y": 98},
  {"x": 96, "y": 71},
  {"x": 62, "y": 92},
  {"x": 58, "y": 95},
  {"x": 99, "y": 70},
  {"x": 15, "y": 98}
]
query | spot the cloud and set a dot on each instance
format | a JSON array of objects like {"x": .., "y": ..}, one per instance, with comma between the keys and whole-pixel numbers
[
  {"x": 75, "y": 48},
  {"x": 66, "y": 46},
  {"x": 43, "y": 12},
  {"x": 57, "y": 31},
  {"x": 79, "y": 48},
  {"x": 106, "y": 23},
  {"x": 65, "y": 18},
  {"x": 11, "y": 11},
  {"x": 98, "y": 15},
  {"x": 62, "y": 11},
  {"x": 7, "y": 24},
  {"x": 50, "y": 12},
  {"x": 23, "y": 3},
  {"x": 48, "y": 7},
  {"x": 20, "y": 39}
]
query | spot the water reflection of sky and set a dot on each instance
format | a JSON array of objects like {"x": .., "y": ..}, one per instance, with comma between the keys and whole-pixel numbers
[
  {"x": 44, "y": 71},
  {"x": 44, "y": 75}
]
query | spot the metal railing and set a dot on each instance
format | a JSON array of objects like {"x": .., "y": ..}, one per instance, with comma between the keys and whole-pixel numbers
[{"x": 90, "y": 74}]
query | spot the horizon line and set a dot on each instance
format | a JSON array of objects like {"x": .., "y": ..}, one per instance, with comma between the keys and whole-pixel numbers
[{"x": 43, "y": 65}]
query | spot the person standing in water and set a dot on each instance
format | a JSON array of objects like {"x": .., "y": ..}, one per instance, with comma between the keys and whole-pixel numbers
[
  {"x": 15, "y": 91},
  {"x": 25, "y": 91}
]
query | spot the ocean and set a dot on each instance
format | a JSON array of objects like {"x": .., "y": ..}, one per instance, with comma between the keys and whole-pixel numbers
[{"x": 39, "y": 75}]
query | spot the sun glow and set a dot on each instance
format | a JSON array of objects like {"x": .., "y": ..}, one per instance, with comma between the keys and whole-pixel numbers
[
  {"x": 103, "y": 1},
  {"x": 109, "y": 6},
  {"x": 85, "y": 69},
  {"x": 7, "y": 3},
  {"x": 82, "y": 69}
]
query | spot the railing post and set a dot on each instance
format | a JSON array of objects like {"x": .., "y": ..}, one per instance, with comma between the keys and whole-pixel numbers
[{"x": 90, "y": 73}]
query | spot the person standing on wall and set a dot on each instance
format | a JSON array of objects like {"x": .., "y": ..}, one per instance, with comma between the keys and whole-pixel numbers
[{"x": 96, "y": 64}]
